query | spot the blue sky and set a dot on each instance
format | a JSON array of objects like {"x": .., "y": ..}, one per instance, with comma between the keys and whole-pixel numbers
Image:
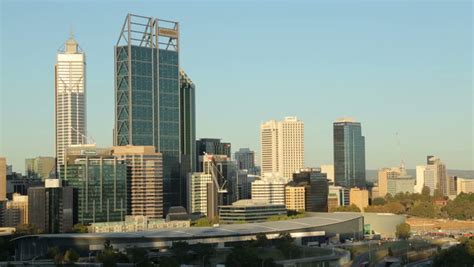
[{"x": 396, "y": 66}]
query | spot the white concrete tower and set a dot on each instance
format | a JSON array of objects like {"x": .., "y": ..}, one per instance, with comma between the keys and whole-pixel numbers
[
  {"x": 282, "y": 146},
  {"x": 70, "y": 99}
]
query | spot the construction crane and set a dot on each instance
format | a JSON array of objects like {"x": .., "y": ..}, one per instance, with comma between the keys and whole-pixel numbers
[
  {"x": 215, "y": 173},
  {"x": 400, "y": 150},
  {"x": 84, "y": 137}
]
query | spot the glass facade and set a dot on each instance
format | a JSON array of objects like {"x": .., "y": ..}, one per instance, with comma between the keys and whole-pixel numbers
[
  {"x": 317, "y": 189},
  {"x": 100, "y": 185},
  {"x": 148, "y": 108},
  {"x": 349, "y": 154}
]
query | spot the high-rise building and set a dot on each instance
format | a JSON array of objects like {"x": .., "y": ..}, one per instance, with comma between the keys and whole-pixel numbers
[
  {"x": 359, "y": 197},
  {"x": 187, "y": 131},
  {"x": 40, "y": 168},
  {"x": 329, "y": 171},
  {"x": 349, "y": 153},
  {"x": 100, "y": 182},
  {"x": 270, "y": 189},
  {"x": 3, "y": 179},
  {"x": 295, "y": 197},
  {"x": 197, "y": 192},
  {"x": 144, "y": 180},
  {"x": 70, "y": 99},
  {"x": 317, "y": 188},
  {"x": 245, "y": 159},
  {"x": 420, "y": 179},
  {"x": 16, "y": 212},
  {"x": 439, "y": 168},
  {"x": 452, "y": 186},
  {"x": 147, "y": 95},
  {"x": 282, "y": 146},
  {"x": 211, "y": 146},
  {"x": 51, "y": 207}
]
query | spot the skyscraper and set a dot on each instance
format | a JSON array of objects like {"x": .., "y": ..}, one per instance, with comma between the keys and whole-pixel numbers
[
  {"x": 147, "y": 95},
  {"x": 40, "y": 167},
  {"x": 433, "y": 175},
  {"x": 70, "y": 98},
  {"x": 349, "y": 153},
  {"x": 245, "y": 159},
  {"x": 317, "y": 188},
  {"x": 51, "y": 207},
  {"x": 282, "y": 146},
  {"x": 187, "y": 131},
  {"x": 144, "y": 180},
  {"x": 3, "y": 179}
]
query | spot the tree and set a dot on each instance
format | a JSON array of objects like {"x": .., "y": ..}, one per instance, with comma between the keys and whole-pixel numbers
[
  {"x": 71, "y": 256},
  {"x": 138, "y": 256},
  {"x": 27, "y": 229},
  {"x": 438, "y": 194},
  {"x": 168, "y": 262},
  {"x": 109, "y": 257},
  {"x": 242, "y": 257},
  {"x": 426, "y": 192},
  {"x": 395, "y": 207},
  {"x": 459, "y": 255},
  {"x": 403, "y": 231},
  {"x": 181, "y": 251},
  {"x": 80, "y": 228},
  {"x": 462, "y": 207},
  {"x": 262, "y": 240},
  {"x": 351, "y": 208},
  {"x": 378, "y": 201},
  {"x": 204, "y": 252},
  {"x": 285, "y": 245},
  {"x": 423, "y": 209}
]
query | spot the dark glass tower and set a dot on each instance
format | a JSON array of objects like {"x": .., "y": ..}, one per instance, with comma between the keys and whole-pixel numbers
[
  {"x": 349, "y": 154},
  {"x": 147, "y": 95},
  {"x": 317, "y": 188}
]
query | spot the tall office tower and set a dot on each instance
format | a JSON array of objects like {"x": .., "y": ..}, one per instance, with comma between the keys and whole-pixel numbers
[
  {"x": 51, "y": 207},
  {"x": 3, "y": 179},
  {"x": 210, "y": 146},
  {"x": 40, "y": 168},
  {"x": 245, "y": 159},
  {"x": 197, "y": 192},
  {"x": 349, "y": 153},
  {"x": 147, "y": 95},
  {"x": 16, "y": 212},
  {"x": 452, "y": 186},
  {"x": 282, "y": 146},
  {"x": 187, "y": 131},
  {"x": 317, "y": 188},
  {"x": 144, "y": 180},
  {"x": 439, "y": 169},
  {"x": 359, "y": 197},
  {"x": 384, "y": 175},
  {"x": 420, "y": 179},
  {"x": 70, "y": 98},
  {"x": 100, "y": 180},
  {"x": 329, "y": 171},
  {"x": 270, "y": 189}
]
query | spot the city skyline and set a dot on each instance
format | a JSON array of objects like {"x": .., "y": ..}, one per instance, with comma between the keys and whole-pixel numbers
[{"x": 419, "y": 134}]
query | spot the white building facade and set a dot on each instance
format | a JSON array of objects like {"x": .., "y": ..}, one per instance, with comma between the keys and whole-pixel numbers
[
  {"x": 282, "y": 146},
  {"x": 270, "y": 190},
  {"x": 70, "y": 99}
]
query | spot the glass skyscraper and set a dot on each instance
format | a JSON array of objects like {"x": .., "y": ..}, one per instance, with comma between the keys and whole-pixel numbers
[
  {"x": 148, "y": 109},
  {"x": 349, "y": 154}
]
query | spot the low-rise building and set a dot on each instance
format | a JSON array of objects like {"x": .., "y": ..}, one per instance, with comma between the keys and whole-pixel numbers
[
  {"x": 464, "y": 185},
  {"x": 402, "y": 183},
  {"x": 136, "y": 224},
  {"x": 248, "y": 210}
]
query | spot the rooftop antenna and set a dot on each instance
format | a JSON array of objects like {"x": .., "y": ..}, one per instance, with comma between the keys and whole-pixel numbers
[
  {"x": 402, "y": 166},
  {"x": 71, "y": 31}
]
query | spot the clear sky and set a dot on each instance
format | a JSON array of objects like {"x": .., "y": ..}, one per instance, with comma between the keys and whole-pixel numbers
[{"x": 396, "y": 66}]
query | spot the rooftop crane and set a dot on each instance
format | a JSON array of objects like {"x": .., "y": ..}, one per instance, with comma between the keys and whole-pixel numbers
[{"x": 215, "y": 172}]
